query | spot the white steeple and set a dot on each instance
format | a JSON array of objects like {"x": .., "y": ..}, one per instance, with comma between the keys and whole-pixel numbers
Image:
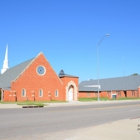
[{"x": 5, "y": 62}]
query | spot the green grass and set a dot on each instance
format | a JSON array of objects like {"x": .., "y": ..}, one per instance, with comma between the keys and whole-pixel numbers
[
  {"x": 38, "y": 103},
  {"x": 43, "y": 103},
  {"x": 25, "y": 103},
  {"x": 55, "y": 101},
  {"x": 87, "y": 99},
  {"x": 92, "y": 99},
  {"x": 126, "y": 98},
  {"x": 2, "y": 102},
  {"x": 31, "y": 104},
  {"x": 105, "y": 99}
]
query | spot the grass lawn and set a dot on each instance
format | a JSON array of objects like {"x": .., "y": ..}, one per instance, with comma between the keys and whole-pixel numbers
[
  {"x": 129, "y": 98},
  {"x": 43, "y": 103},
  {"x": 92, "y": 99},
  {"x": 105, "y": 99},
  {"x": 32, "y": 103}
]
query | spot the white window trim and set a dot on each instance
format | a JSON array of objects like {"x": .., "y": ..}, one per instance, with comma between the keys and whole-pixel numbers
[
  {"x": 38, "y": 72},
  {"x": 113, "y": 94},
  {"x": 41, "y": 93},
  {"x": 24, "y": 92},
  {"x": 56, "y": 93}
]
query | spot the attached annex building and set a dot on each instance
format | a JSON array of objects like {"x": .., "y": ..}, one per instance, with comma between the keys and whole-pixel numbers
[
  {"x": 120, "y": 87},
  {"x": 35, "y": 80}
]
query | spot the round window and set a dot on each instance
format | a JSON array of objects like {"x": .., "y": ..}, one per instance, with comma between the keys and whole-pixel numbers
[{"x": 41, "y": 70}]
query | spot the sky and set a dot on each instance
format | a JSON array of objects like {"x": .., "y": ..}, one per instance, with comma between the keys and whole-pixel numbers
[{"x": 68, "y": 33}]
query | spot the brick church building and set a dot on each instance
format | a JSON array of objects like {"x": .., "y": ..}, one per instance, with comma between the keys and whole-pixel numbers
[{"x": 36, "y": 80}]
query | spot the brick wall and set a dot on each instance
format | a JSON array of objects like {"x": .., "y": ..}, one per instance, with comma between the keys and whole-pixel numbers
[
  {"x": 139, "y": 91},
  {"x": 67, "y": 82},
  {"x": 32, "y": 82}
]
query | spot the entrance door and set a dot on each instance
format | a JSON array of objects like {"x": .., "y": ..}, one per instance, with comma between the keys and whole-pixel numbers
[
  {"x": 114, "y": 96},
  {"x": 70, "y": 97},
  {"x": 125, "y": 94}
]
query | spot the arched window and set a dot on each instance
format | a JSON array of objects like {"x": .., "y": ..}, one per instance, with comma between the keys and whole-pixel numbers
[
  {"x": 56, "y": 93},
  {"x": 23, "y": 92},
  {"x": 40, "y": 93}
]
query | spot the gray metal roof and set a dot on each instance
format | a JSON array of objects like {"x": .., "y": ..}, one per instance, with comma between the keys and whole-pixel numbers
[
  {"x": 119, "y": 83},
  {"x": 12, "y": 74}
]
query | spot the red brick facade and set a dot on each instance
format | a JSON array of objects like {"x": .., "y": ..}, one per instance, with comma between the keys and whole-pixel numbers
[
  {"x": 139, "y": 91},
  {"x": 41, "y": 87},
  {"x": 109, "y": 94}
]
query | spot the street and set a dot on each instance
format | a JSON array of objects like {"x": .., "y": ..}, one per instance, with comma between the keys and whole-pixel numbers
[{"x": 35, "y": 123}]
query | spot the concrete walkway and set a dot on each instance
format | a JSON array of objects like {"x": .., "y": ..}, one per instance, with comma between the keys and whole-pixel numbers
[
  {"x": 79, "y": 103},
  {"x": 4, "y": 106},
  {"x": 128, "y": 129},
  {"x": 73, "y": 103}
]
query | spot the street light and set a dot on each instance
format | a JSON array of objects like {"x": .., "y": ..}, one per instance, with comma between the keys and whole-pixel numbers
[{"x": 98, "y": 62}]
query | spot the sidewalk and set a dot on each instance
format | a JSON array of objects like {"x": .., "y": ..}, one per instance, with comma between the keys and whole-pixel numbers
[
  {"x": 73, "y": 103},
  {"x": 3, "y": 106},
  {"x": 128, "y": 129},
  {"x": 78, "y": 103}
]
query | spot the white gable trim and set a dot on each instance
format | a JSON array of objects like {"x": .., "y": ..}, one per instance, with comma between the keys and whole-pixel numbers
[
  {"x": 53, "y": 70},
  {"x": 31, "y": 63},
  {"x": 24, "y": 70}
]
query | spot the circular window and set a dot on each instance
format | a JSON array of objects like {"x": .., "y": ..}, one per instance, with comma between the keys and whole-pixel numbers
[{"x": 41, "y": 70}]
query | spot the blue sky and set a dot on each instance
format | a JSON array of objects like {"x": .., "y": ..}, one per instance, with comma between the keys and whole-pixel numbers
[{"x": 68, "y": 31}]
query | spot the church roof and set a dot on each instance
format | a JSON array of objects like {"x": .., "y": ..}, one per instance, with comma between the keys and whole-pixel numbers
[
  {"x": 119, "y": 83},
  {"x": 12, "y": 73}
]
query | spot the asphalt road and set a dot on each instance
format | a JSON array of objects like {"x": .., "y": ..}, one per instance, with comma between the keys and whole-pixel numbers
[{"x": 27, "y": 123}]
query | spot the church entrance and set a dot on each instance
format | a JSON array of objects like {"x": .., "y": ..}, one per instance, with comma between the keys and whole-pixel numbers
[{"x": 70, "y": 93}]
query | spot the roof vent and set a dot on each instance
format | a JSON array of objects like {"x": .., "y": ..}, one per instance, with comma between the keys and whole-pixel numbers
[{"x": 61, "y": 73}]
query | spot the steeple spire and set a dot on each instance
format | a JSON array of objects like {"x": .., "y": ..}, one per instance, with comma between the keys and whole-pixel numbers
[{"x": 5, "y": 62}]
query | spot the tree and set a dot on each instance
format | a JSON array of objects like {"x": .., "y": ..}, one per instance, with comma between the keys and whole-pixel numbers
[{"x": 134, "y": 74}]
